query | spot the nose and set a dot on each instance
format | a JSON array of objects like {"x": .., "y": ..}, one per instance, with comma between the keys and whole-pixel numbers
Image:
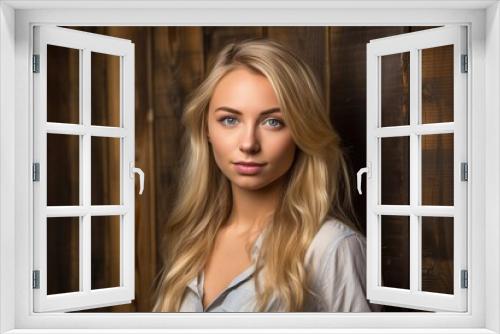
[{"x": 249, "y": 142}]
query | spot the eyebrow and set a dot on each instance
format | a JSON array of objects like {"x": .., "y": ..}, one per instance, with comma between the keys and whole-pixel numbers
[{"x": 234, "y": 111}]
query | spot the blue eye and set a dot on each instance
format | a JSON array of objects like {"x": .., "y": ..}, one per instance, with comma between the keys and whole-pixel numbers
[
  {"x": 229, "y": 121},
  {"x": 275, "y": 123},
  {"x": 224, "y": 119}
]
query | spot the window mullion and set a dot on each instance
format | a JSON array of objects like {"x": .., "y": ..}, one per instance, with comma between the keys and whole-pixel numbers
[
  {"x": 415, "y": 250},
  {"x": 85, "y": 241}
]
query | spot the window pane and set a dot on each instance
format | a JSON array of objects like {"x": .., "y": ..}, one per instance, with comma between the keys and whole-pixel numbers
[
  {"x": 437, "y": 254},
  {"x": 437, "y": 84},
  {"x": 63, "y": 176},
  {"x": 63, "y": 247},
  {"x": 105, "y": 89},
  {"x": 63, "y": 84},
  {"x": 105, "y": 171},
  {"x": 105, "y": 251},
  {"x": 395, "y": 251},
  {"x": 395, "y": 89},
  {"x": 395, "y": 172},
  {"x": 437, "y": 169}
]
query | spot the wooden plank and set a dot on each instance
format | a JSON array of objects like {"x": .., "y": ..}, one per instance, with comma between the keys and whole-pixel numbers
[
  {"x": 215, "y": 38},
  {"x": 178, "y": 68},
  {"x": 310, "y": 44}
]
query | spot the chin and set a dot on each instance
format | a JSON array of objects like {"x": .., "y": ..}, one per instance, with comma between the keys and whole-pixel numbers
[{"x": 251, "y": 184}]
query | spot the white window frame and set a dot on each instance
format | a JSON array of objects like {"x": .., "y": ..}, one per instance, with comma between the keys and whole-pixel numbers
[
  {"x": 86, "y": 44},
  {"x": 483, "y": 18},
  {"x": 414, "y": 43}
]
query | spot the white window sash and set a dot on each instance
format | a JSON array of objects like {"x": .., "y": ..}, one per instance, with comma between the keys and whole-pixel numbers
[
  {"x": 86, "y": 297},
  {"x": 415, "y": 297}
]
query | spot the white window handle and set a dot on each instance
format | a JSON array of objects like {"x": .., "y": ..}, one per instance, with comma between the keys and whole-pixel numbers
[
  {"x": 366, "y": 170},
  {"x": 139, "y": 171}
]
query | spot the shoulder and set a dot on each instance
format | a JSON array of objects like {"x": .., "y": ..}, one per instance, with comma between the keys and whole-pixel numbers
[
  {"x": 337, "y": 260},
  {"x": 332, "y": 237}
]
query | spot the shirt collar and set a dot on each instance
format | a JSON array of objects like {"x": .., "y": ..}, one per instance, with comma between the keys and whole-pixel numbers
[{"x": 193, "y": 284}]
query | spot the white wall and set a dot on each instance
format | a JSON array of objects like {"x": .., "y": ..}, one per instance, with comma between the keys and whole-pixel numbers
[{"x": 7, "y": 149}]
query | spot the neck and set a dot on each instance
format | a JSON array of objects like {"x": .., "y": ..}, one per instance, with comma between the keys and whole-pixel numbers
[{"x": 251, "y": 208}]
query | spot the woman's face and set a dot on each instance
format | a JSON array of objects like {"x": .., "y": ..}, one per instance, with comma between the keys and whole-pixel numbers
[{"x": 245, "y": 124}]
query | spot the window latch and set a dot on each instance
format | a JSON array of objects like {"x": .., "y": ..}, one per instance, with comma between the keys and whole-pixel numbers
[
  {"x": 139, "y": 171},
  {"x": 368, "y": 171}
]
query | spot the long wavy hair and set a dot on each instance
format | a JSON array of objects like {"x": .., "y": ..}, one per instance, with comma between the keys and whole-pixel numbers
[{"x": 317, "y": 184}]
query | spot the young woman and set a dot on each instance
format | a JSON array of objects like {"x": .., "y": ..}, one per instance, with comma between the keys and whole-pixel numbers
[{"x": 263, "y": 221}]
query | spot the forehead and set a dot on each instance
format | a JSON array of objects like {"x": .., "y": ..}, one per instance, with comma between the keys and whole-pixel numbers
[{"x": 244, "y": 90}]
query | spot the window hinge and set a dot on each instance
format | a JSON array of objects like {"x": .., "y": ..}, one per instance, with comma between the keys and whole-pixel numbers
[
  {"x": 36, "y": 279},
  {"x": 36, "y": 63},
  {"x": 464, "y": 171},
  {"x": 36, "y": 171},
  {"x": 465, "y": 66},
  {"x": 465, "y": 279}
]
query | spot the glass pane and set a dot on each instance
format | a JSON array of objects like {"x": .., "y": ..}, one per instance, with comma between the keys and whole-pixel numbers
[
  {"x": 395, "y": 251},
  {"x": 105, "y": 251},
  {"x": 63, "y": 247},
  {"x": 395, "y": 89},
  {"x": 437, "y": 254},
  {"x": 63, "y": 84},
  {"x": 437, "y": 169},
  {"x": 395, "y": 163},
  {"x": 63, "y": 167},
  {"x": 105, "y": 171},
  {"x": 105, "y": 87},
  {"x": 437, "y": 84}
]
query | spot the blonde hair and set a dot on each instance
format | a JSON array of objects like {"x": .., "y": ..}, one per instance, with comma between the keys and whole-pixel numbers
[{"x": 317, "y": 183}]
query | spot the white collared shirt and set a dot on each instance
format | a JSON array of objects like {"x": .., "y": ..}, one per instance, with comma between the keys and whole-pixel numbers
[{"x": 337, "y": 259}]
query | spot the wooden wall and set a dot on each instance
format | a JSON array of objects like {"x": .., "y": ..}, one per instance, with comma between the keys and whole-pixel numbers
[{"x": 169, "y": 63}]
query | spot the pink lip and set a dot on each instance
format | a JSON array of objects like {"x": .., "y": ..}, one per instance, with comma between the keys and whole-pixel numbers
[{"x": 248, "y": 169}]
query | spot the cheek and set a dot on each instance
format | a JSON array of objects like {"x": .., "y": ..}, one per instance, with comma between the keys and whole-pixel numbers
[
  {"x": 284, "y": 151},
  {"x": 221, "y": 147}
]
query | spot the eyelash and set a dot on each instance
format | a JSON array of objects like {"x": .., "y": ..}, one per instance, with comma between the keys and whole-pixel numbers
[{"x": 281, "y": 124}]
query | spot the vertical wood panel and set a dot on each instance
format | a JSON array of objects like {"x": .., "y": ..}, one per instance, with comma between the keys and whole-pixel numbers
[
  {"x": 215, "y": 38},
  {"x": 309, "y": 43},
  {"x": 178, "y": 68}
]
